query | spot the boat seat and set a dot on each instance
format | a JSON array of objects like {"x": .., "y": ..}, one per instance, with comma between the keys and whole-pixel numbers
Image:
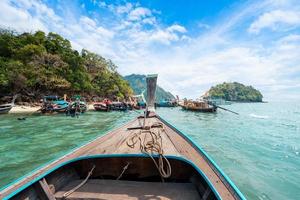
[{"x": 129, "y": 190}]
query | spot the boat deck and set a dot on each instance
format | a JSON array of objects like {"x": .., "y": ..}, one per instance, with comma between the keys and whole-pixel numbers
[
  {"x": 115, "y": 142},
  {"x": 129, "y": 190}
]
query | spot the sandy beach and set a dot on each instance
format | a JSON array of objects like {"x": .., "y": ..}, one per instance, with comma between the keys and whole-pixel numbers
[
  {"x": 24, "y": 109},
  {"x": 33, "y": 109},
  {"x": 90, "y": 107}
]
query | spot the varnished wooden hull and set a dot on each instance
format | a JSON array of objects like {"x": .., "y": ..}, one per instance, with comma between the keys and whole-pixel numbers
[
  {"x": 101, "y": 107},
  {"x": 194, "y": 175},
  {"x": 210, "y": 109}
]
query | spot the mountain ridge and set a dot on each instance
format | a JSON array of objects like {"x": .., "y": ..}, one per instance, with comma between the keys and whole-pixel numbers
[{"x": 138, "y": 84}]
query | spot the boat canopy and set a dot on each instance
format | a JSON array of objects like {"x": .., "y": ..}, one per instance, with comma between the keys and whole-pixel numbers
[{"x": 51, "y": 98}]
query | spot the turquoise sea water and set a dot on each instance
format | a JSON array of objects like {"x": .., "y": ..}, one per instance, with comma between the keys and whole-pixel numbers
[{"x": 258, "y": 149}]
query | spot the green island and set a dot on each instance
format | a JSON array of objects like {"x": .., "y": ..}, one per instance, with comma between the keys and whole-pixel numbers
[
  {"x": 36, "y": 64},
  {"x": 235, "y": 92}
]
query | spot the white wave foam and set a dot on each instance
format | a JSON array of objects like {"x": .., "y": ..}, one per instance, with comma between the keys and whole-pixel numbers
[{"x": 259, "y": 116}]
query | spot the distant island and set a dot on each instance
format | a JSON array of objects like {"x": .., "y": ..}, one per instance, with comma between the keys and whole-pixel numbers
[
  {"x": 37, "y": 64},
  {"x": 138, "y": 84},
  {"x": 235, "y": 92}
]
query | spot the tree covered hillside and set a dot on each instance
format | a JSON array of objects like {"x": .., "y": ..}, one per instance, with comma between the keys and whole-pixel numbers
[
  {"x": 35, "y": 64},
  {"x": 138, "y": 84},
  {"x": 235, "y": 92}
]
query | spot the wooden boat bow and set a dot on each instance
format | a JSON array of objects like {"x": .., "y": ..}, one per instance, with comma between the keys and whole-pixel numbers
[{"x": 175, "y": 145}]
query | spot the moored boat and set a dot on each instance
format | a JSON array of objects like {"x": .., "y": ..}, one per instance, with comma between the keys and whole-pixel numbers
[
  {"x": 166, "y": 103},
  {"x": 5, "y": 108},
  {"x": 53, "y": 104},
  {"x": 139, "y": 101},
  {"x": 118, "y": 106},
  {"x": 217, "y": 101},
  {"x": 102, "y": 105},
  {"x": 199, "y": 106},
  {"x": 147, "y": 158},
  {"x": 141, "y": 105},
  {"x": 77, "y": 106}
]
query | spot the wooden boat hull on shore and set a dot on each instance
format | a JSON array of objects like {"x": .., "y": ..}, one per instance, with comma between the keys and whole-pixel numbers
[
  {"x": 52, "y": 104},
  {"x": 51, "y": 109},
  {"x": 101, "y": 107},
  {"x": 118, "y": 106},
  {"x": 110, "y": 169},
  {"x": 5, "y": 108}
]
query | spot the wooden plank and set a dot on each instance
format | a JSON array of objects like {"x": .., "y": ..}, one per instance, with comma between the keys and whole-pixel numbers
[
  {"x": 44, "y": 185},
  {"x": 130, "y": 190}
]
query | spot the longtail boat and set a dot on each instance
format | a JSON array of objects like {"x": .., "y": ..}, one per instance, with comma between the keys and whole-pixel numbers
[
  {"x": 139, "y": 100},
  {"x": 147, "y": 158},
  {"x": 54, "y": 104},
  {"x": 199, "y": 106},
  {"x": 102, "y": 105},
  {"x": 5, "y": 108},
  {"x": 77, "y": 106},
  {"x": 118, "y": 106},
  {"x": 166, "y": 103}
]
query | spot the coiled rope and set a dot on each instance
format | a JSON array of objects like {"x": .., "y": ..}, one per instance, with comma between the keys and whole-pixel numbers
[{"x": 150, "y": 143}]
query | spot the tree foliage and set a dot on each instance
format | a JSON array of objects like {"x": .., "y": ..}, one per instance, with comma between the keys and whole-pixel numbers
[
  {"x": 39, "y": 64},
  {"x": 235, "y": 92}
]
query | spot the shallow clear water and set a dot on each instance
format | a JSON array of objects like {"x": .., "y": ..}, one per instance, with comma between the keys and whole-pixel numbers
[
  {"x": 258, "y": 149},
  {"x": 26, "y": 145}
]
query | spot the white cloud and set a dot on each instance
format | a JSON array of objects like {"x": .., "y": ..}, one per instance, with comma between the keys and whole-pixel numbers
[
  {"x": 290, "y": 38},
  {"x": 101, "y": 3},
  {"x": 177, "y": 28},
  {"x": 88, "y": 21},
  {"x": 18, "y": 18},
  {"x": 139, "y": 13},
  {"x": 275, "y": 20},
  {"x": 167, "y": 35},
  {"x": 105, "y": 32},
  {"x": 149, "y": 20},
  {"x": 203, "y": 25},
  {"x": 164, "y": 37},
  {"x": 124, "y": 8}
]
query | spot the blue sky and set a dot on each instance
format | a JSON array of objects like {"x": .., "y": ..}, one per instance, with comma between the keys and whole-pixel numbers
[{"x": 192, "y": 45}]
